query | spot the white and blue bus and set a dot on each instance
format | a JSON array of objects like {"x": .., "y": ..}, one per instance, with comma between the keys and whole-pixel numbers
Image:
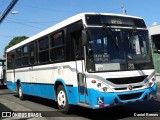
[{"x": 94, "y": 60}]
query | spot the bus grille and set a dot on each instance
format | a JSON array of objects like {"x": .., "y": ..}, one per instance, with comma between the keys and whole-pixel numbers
[
  {"x": 125, "y": 88},
  {"x": 130, "y": 96},
  {"x": 127, "y": 80}
]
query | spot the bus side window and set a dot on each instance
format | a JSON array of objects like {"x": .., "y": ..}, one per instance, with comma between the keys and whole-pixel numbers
[
  {"x": 43, "y": 50},
  {"x": 32, "y": 53},
  {"x": 57, "y": 51},
  {"x": 18, "y": 62},
  {"x": 25, "y": 55},
  {"x": 9, "y": 61}
]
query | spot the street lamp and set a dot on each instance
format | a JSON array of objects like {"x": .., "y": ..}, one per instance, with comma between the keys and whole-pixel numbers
[{"x": 13, "y": 12}]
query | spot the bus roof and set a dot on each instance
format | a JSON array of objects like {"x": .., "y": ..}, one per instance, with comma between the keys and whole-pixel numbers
[{"x": 80, "y": 16}]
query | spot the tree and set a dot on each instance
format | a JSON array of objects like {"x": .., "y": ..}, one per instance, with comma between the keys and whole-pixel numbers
[{"x": 15, "y": 41}]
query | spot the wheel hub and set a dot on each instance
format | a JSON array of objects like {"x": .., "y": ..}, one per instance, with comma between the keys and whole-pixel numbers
[{"x": 62, "y": 99}]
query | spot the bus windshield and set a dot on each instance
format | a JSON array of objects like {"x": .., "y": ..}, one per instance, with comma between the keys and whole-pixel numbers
[{"x": 115, "y": 49}]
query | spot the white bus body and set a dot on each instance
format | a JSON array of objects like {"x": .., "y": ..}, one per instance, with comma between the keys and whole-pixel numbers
[{"x": 92, "y": 60}]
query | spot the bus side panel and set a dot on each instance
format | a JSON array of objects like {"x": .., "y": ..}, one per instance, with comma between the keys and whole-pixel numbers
[
  {"x": 73, "y": 95},
  {"x": 71, "y": 92},
  {"x": 47, "y": 91},
  {"x": 11, "y": 86},
  {"x": 10, "y": 80},
  {"x": 40, "y": 90},
  {"x": 48, "y": 75}
]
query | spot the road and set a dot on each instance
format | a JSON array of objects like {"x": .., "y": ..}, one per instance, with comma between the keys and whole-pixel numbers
[{"x": 10, "y": 102}]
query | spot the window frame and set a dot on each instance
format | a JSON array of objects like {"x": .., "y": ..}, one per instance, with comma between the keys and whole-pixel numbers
[
  {"x": 25, "y": 56},
  {"x": 18, "y": 58},
  {"x": 54, "y": 48},
  {"x": 43, "y": 50},
  {"x": 29, "y": 53},
  {"x": 12, "y": 62}
]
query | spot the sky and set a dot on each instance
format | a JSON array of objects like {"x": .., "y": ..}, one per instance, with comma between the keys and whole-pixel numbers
[{"x": 37, "y": 15}]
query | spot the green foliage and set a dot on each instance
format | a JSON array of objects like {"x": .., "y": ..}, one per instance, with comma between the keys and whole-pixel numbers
[{"x": 15, "y": 41}]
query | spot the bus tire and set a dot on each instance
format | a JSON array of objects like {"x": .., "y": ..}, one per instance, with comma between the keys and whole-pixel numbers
[
  {"x": 62, "y": 100},
  {"x": 20, "y": 92}
]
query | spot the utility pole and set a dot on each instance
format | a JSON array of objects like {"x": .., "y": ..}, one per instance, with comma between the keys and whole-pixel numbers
[
  {"x": 8, "y": 9},
  {"x": 123, "y": 9}
]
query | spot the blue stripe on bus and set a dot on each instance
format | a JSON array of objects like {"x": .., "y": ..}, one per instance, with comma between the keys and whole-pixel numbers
[
  {"x": 41, "y": 90},
  {"x": 11, "y": 85},
  {"x": 47, "y": 91}
]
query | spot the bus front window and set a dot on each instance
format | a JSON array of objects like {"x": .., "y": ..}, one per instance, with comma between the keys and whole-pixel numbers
[
  {"x": 104, "y": 53},
  {"x": 137, "y": 48},
  {"x": 117, "y": 49},
  {"x": 137, "y": 45}
]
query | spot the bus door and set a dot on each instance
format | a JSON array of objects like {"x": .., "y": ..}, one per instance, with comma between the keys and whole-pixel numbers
[
  {"x": 79, "y": 56},
  {"x": 32, "y": 61}
]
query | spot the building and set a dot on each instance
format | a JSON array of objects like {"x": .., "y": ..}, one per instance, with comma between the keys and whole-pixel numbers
[{"x": 154, "y": 33}]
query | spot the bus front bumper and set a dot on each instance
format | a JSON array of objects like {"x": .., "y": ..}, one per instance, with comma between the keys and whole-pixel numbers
[{"x": 98, "y": 99}]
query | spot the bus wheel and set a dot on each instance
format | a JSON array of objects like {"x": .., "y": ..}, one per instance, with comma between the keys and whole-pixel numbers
[
  {"x": 62, "y": 100},
  {"x": 20, "y": 92}
]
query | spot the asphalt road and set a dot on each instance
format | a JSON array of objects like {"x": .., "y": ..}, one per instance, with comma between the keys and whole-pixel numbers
[{"x": 10, "y": 102}]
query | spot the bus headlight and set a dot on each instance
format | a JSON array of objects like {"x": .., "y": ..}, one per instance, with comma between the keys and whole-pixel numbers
[
  {"x": 153, "y": 79},
  {"x": 99, "y": 85},
  {"x": 104, "y": 89},
  {"x": 151, "y": 82}
]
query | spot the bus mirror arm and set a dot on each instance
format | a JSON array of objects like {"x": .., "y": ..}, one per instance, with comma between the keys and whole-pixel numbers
[{"x": 84, "y": 37}]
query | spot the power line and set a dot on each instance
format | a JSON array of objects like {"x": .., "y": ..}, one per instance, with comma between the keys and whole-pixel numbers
[
  {"x": 8, "y": 9},
  {"x": 39, "y": 23},
  {"x": 20, "y": 20},
  {"x": 25, "y": 24}
]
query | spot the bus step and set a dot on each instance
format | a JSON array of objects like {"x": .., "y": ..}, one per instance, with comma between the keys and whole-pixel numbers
[{"x": 84, "y": 105}]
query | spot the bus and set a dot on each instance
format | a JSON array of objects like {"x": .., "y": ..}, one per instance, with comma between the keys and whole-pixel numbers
[
  {"x": 94, "y": 60},
  {"x": 2, "y": 72}
]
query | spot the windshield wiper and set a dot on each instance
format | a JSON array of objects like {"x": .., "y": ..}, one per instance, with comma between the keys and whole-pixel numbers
[
  {"x": 134, "y": 30},
  {"x": 112, "y": 36}
]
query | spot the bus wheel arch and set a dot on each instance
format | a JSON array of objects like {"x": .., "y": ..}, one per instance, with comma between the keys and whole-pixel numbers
[
  {"x": 17, "y": 85},
  {"x": 57, "y": 83},
  {"x": 61, "y": 97},
  {"x": 19, "y": 90}
]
